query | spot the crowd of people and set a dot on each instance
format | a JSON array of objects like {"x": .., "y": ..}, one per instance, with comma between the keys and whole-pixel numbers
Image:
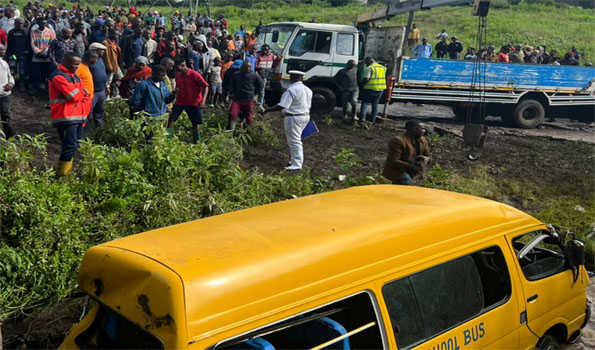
[
  {"x": 163, "y": 66},
  {"x": 452, "y": 48}
]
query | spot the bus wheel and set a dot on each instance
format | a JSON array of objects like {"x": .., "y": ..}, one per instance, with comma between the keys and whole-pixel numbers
[
  {"x": 324, "y": 101},
  {"x": 529, "y": 114},
  {"x": 548, "y": 342}
]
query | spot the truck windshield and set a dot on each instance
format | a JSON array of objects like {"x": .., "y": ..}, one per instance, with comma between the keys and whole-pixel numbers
[{"x": 276, "y": 36}]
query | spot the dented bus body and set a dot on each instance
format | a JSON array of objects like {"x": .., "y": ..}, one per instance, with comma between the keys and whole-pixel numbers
[{"x": 367, "y": 267}]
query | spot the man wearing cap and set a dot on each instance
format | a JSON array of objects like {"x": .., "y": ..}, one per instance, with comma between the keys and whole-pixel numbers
[
  {"x": 100, "y": 78},
  {"x": 406, "y": 155},
  {"x": 295, "y": 102}
]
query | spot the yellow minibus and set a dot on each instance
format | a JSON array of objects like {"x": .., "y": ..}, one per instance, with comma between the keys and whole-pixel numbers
[{"x": 371, "y": 267}]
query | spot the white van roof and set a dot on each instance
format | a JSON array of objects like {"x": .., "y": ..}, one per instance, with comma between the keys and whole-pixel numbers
[{"x": 320, "y": 26}]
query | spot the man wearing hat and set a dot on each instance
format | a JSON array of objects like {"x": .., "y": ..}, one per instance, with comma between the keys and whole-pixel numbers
[
  {"x": 100, "y": 78},
  {"x": 295, "y": 102}
]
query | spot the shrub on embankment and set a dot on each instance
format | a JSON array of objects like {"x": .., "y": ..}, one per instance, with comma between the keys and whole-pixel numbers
[{"x": 125, "y": 183}]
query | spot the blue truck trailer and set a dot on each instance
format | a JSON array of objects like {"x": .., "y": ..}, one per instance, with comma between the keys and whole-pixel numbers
[{"x": 521, "y": 94}]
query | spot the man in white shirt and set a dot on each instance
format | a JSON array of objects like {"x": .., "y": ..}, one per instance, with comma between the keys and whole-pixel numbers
[
  {"x": 6, "y": 85},
  {"x": 295, "y": 103}
]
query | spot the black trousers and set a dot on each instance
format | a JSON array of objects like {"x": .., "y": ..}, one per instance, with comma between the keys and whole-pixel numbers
[
  {"x": 5, "y": 116},
  {"x": 70, "y": 134}
]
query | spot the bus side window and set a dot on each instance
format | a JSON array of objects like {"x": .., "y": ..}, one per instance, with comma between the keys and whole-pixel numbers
[
  {"x": 428, "y": 303},
  {"x": 355, "y": 315},
  {"x": 543, "y": 260}
]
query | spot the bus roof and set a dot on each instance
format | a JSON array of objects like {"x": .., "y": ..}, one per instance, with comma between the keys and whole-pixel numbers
[
  {"x": 319, "y": 26},
  {"x": 277, "y": 253}
]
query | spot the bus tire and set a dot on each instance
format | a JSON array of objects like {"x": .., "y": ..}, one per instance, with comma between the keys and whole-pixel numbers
[
  {"x": 548, "y": 342},
  {"x": 529, "y": 114},
  {"x": 324, "y": 101}
]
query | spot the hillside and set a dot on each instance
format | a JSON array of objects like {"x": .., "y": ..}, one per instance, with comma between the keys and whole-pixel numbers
[{"x": 527, "y": 23}]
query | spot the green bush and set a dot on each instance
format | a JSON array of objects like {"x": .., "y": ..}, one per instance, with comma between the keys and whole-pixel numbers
[{"x": 131, "y": 177}]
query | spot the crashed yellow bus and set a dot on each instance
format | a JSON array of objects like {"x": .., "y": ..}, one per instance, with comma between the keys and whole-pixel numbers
[{"x": 372, "y": 267}]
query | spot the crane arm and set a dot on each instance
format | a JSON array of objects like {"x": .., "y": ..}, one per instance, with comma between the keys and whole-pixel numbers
[{"x": 395, "y": 7}]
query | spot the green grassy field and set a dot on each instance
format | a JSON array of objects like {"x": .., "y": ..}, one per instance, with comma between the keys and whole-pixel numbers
[{"x": 558, "y": 27}]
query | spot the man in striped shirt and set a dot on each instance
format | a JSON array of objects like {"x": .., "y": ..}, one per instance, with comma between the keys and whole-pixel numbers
[{"x": 41, "y": 37}]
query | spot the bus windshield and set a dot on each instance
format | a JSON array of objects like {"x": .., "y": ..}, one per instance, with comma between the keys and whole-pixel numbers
[{"x": 276, "y": 36}]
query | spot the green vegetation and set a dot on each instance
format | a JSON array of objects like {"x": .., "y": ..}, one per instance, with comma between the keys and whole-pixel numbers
[
  {"x": 569, "y": 205},
  {"x": 531, "y": 22},
  {"x": 125, "y": 183}
]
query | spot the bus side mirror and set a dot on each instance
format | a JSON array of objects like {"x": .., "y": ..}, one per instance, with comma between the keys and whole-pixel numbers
[
  {"x": 275, "y": 37},
  {"x": 575, "y": 252}
]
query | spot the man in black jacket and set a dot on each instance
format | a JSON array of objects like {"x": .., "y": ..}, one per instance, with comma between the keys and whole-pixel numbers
[
  {"x": 454, "y": 48},
  {"x": 346, "y": 80},
  {"x": 245, "y": 86},
  {"x": 17, "y": 48},
  {"x": 441, "y": 48}
]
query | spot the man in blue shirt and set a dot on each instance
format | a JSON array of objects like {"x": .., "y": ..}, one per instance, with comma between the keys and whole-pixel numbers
[
  {"x": 99, "y": 84},
  {"x": 241, "y": 32},
  {"x": 423, "y": 50},
  {"x": 137, "y": 44},
  {"x": 151, "y": 95}
]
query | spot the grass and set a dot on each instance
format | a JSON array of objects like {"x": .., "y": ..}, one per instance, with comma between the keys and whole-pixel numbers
[
  {"x": 556, "y": 25},
  {"x": 568, "y": 204}
]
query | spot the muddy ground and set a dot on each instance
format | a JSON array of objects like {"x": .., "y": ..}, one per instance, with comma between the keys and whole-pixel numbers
[{"x": 560, "y": 154}]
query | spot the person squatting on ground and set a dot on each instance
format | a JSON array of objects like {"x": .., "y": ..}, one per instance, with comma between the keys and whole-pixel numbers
[
  {"x": 406, "y": 154},
  {"x": 70, "y": 105},
  {"x": 374, "y": 85},
  {"x": 6, "y": 85},
  {"x": 190, "y": 86},
  {"x": 346, "y": 80},
  {"x": 295, "y": 102},
  {"x": 245, "y": 85}
]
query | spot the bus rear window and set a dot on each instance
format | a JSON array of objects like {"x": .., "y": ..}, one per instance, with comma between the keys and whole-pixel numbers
[{"x": 110, "y": 330}]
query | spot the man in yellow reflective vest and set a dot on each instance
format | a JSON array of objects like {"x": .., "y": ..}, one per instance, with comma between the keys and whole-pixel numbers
[{"x": 374, "y": 86}]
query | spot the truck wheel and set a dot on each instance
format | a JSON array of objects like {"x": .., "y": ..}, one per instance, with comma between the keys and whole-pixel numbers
[
  {"x": 324, "y": 101},
  {"x": 529, "y": 114},
  {"x": 460, "y": 113},
  {"x": 548, "y": 342}
]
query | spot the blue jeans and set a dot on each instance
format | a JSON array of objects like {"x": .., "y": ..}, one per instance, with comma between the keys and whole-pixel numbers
[
  {"x": 370, "y": 97},
  {"x": 97, "y": 110},
  {"x": 406, "y": 179},
  {"x": 70, "y": 134}
]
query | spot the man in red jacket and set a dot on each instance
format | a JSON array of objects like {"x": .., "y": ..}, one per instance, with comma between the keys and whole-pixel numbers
[
  {"x": 70, "y": 105},
  {"x": 190, "y": 86}
]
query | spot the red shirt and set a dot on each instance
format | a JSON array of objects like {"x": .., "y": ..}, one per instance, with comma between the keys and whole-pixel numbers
[
  {"x": 190, "y": 87},
  {"x": 503, "y": 57},
  {"x": 3, "y": 37}
]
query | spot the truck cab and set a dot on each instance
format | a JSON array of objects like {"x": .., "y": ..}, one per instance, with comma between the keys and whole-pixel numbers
[{"x": 318, "y": 49}]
